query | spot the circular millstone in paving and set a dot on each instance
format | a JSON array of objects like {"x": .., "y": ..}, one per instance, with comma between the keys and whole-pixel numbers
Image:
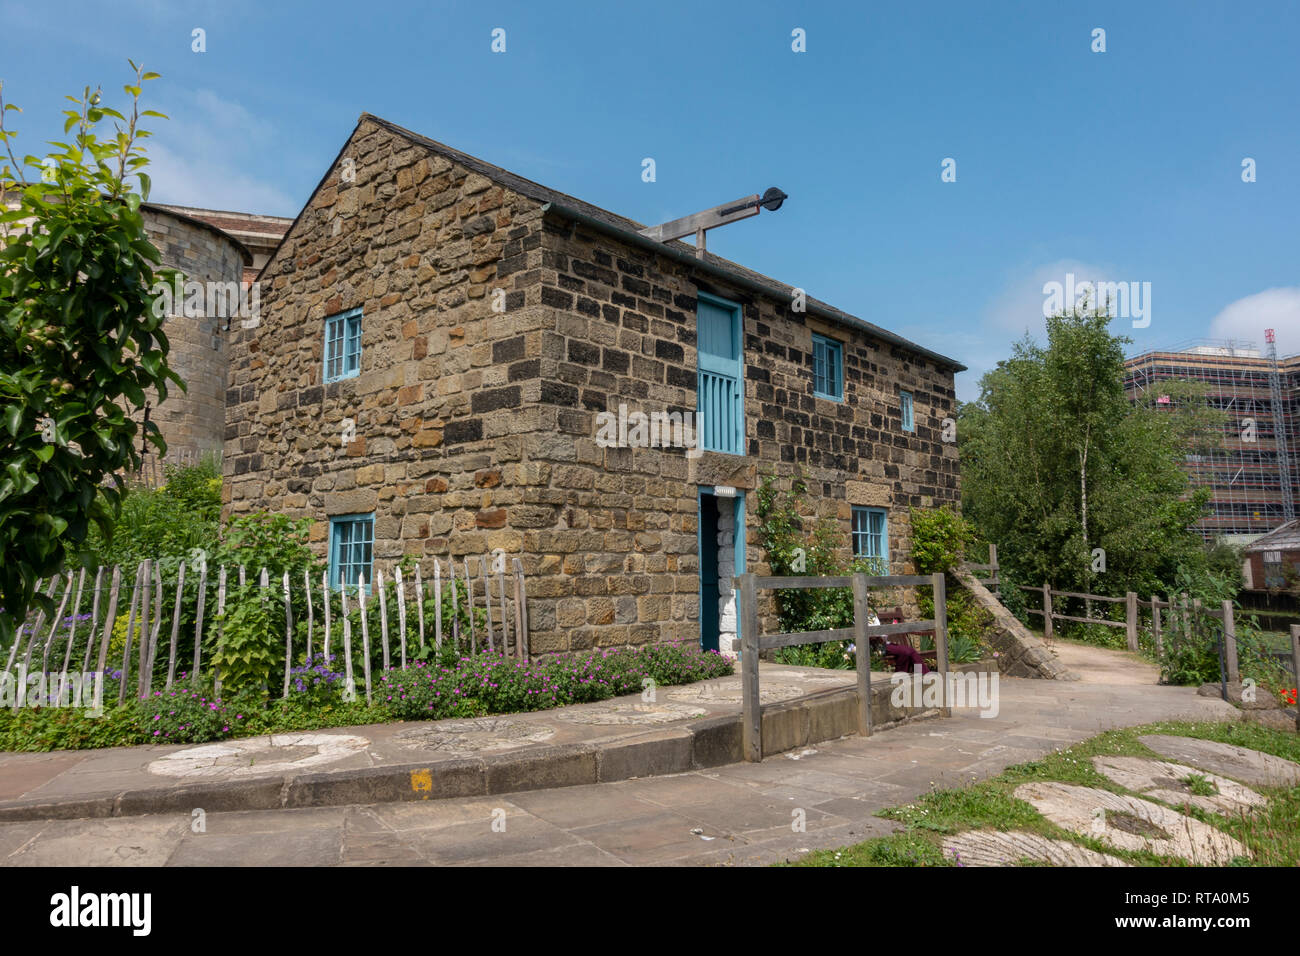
[
  {"x": 475, "y": 735},
  {"x": 1170, "y": 783},
  {"x": 628, "y": 712},
  {"x": 1248, "y": 766},
  {"x": 993, "y": 848},
  {"x": 258, "y": 756},
  {"x": 729, "y": 692},
  {"x": 1130, "y": 823},
  {"x": 848, "y": 679}
]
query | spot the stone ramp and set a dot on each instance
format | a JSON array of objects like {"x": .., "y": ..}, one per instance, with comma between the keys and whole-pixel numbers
[
  {"x": 1020, "y": 652},
  {"x": 687, "y": 727}
]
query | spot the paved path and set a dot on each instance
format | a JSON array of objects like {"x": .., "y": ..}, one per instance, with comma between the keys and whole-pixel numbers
[
  {"x": 738, "y": 814},
  {"x": 68, "y": 775},
  {"x": 1102, "y": 665}
]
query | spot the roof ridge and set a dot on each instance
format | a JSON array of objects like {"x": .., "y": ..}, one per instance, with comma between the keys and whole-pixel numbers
[{"x": 611, "y": 220}]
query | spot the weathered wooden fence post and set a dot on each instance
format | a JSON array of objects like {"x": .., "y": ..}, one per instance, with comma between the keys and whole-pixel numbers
[
  {"x": 130, "y": 629},
  {"x": 1230, "y": 643},
  {"x": 1047, "y": 612},
  {"x": 350, "y": 687},
  {"x": 325, "y": 599},
  {"x": 437, "y": 604},
  {"x": 401, "y": 612},
  {"x": 487, "y": 600},
  {"x": 110, "y": 620},
  {"x": 505, "y": 618},
  {"x": 1131, "y": 619},
  {"x": 176, "y": 625},
  {"x": 1295, "y": 665},
  {"x": 419, "y": 604},
  {"x": 142, "y": 652},
  {"x": 940, "y": 586},
  {"x": 862, "y": 651},
  {"x": 1155, "y": 626},
  {"x": 94, "y": 622},
  {"x": 993, "y": 561},
  {"x": 306, "y": 586},
  {"x": 455, "y": 607},
  {"x": 365, "y": 634},
  {"x": 752, "y": 725},
  {"x": 383, "y": 615},
  {"x": 288, "y": 635},
  {"x": 221, "y": 627},
  {"x": 521, "y": 612},
  {"x": 469, "y": 600},
  {"x": 72, "y": 635},
  {"x": 198, "y": 621},
  {"x": 155, "y": 630}
]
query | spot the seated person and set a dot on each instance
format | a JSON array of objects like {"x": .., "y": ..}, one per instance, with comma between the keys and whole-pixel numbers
[{"x": 905, "y": 658}]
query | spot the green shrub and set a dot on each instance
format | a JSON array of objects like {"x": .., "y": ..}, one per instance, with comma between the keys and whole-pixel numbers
[
  {"x": 164, "y": 523},
  {"x": 251, "y": 647}
]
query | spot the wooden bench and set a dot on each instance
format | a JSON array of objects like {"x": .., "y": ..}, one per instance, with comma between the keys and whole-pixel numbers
[{"x": 890, "y": 615}]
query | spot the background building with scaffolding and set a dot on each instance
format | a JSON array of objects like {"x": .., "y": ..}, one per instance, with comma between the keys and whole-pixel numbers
[{"x": 1251, "y": 473}]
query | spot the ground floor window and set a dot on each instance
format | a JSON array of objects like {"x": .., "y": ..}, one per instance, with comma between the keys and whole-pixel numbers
[
  {"x": 352, "y": 546},
  {"x": 871, "y": 536}
]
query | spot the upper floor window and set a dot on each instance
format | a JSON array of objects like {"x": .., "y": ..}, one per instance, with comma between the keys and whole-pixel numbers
[
  {"x": 343, "y": 345},
  {"x": 828, "y": 368},
  {"x": 905, "y": 407},
  {"x": 352, "y": 549},
  {"x": 720, "y": 389}
]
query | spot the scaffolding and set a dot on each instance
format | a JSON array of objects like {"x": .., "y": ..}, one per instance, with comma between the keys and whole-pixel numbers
[{"x": 1249, "y": 471}]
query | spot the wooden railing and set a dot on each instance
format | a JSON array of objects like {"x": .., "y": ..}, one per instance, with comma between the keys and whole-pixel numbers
[{"x": 752, "y": 643}]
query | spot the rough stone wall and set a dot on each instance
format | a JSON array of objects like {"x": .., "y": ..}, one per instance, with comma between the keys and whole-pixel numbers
[
  {"x": 476, "y": 429},
  {"x": 448, "y": 388},
  {"x": 193, "y": 421},
  {"x": 626, "y": 334},
  {"x": 1020, "y": 652}
]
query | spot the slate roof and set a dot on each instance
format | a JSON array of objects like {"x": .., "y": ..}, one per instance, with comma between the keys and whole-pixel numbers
[
  {"x": 1285, "y": 537},
  {"x": 628, "y": 230}
]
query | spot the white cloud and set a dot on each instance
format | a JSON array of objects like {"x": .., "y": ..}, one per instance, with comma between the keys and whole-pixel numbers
[
  {"x": 204, "y": 155},
  {"x": 1246, "y": 319},
  {"x": 1019, "y": 307},
  {"x": 1015, "y": 310}
]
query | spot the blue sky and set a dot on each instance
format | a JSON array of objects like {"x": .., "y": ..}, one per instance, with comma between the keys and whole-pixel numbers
[{"x": 1122, "y": 166}]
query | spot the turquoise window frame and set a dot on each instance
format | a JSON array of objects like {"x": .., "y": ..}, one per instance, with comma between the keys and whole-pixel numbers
[
  {"x": 342, "y": 352},
  {"x": 831, "y": 375},
  {"x": 869, "y": 524},
  {"x": 338, "y": 524},
  {"x": 727, "y": 437},
  {"x": 907, "y": 410}
]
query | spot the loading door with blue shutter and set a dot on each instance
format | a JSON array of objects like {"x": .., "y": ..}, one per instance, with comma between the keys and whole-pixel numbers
[{"x": 720, "y": 416}]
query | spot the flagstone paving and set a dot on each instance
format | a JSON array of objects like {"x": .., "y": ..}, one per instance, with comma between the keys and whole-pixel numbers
[{"x": 818, "y": 797}]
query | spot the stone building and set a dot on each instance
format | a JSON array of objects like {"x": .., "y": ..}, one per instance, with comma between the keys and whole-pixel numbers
[
  {"x": 210, "y": 247},
  {"x": 454, "y": 360},
  {"x": 213, "y": 248}
]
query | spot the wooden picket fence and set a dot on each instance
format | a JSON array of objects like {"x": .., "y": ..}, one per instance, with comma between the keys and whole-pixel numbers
[{"x": 505, "y": 619}]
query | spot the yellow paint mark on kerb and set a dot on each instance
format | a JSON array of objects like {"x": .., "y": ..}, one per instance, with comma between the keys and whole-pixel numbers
[{"x": 422, "y": 782}]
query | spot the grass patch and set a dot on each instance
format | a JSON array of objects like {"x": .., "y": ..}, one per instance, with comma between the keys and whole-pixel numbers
[{"x": 1272, "y": 834}]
